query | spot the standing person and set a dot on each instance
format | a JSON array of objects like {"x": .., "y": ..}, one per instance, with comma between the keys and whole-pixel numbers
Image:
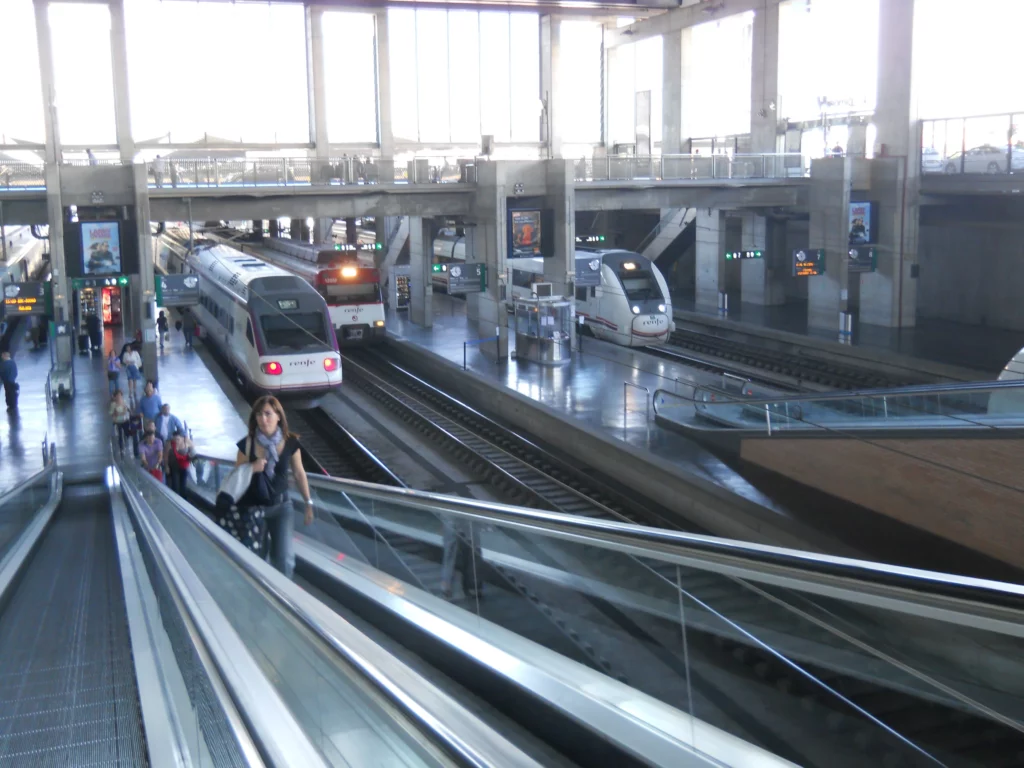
[
  {"x": 9, "y": 376},
  {"x": 151, "y": 452},
  {"x": 133, "y": 361},
  {"x": 119, "y": 416},
  {"x": 177, "y": 458},
  {"x": 113, "y": 371},
  {"x": 150, "y": 403},
  {"x": 158, "y": 170},
  {"x": 161, "y": 328},
  {"x": 188, "y": 327},
  {"x": 462, "y": 552},
  {"x": 92, "y": 157},
  {"x": 92, "y": 322},
  {"x": 271, "y": 449},
  {"x": 167, "y": 423}
]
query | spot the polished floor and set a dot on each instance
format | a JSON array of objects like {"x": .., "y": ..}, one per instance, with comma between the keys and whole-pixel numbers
[
  {"x": 606, "y": 386},
  {"x": 976, "y": 347},
  {"x": 80, "y": 427}
]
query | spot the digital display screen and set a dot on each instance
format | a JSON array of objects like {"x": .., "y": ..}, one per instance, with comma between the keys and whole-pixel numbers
[
  {"x": 287, "y": 304},
  {"x": 808, "y": 263},
  {"x": 587, "y": 239},
  {"x": 25, "y": 299},
  {"x": 358, "y": 246},
  {"x": 101, "y": 248},
  {"x": 860, "y": 223},
  {"x": 753, "y": 254},
  {"x": 526, "y": 233}
]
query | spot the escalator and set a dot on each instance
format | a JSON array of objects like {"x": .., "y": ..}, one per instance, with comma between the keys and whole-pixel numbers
[
  {"x": 68, "y": 691},
  {"x": 818, "y": 660}
]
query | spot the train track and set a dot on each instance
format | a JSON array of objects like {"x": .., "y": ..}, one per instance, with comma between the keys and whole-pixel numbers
[{"x": 773, "y": 366}]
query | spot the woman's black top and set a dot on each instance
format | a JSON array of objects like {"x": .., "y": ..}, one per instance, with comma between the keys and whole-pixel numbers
[{"x": 279, "y": 481}]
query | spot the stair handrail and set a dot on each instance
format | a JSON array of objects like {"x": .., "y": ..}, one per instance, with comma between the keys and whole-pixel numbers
[{"x": 653, "y": 234}]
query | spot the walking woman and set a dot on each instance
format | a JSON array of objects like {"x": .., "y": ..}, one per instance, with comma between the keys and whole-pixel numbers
[
  {"x": 113, "y": 371},
  {"x": 265, "y": 509}
]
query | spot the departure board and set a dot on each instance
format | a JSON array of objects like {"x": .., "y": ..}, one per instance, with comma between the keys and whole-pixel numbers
[
  {"x": 31, "y": 298},
  {"x": 809, "y": 263}
]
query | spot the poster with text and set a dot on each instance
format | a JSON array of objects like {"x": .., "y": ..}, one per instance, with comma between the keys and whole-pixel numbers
[
  {"x": 860, "y": 223},
  {"x": 525, "y": 233},
  {"x": 101, "y": 248}
]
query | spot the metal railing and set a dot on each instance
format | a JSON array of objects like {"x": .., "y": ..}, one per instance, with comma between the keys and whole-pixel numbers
[{"x": 695, "y": 167}]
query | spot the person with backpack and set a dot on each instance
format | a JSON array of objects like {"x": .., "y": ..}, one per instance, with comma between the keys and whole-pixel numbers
[
  {"x": 264, "y": 508},
  {"x": 188, "y": 327}
]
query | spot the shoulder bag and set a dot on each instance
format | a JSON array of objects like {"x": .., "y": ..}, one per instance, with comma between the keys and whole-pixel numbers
[{"x": 234, "y": 486}]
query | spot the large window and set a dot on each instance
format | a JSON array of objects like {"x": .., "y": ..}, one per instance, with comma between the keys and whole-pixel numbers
[
  {"x": 217, "y": 72},
  {"x": 716, "y": 90},
  {"x": 579, "y": 79},
  {"x": 634, "y": 68},
  {"x": 828, "y": 57},
  {"x": 456, "y": 75},
  {"x": 350, "y": 77},
  {"x": 82, "y": 73},
  {"x": 21, "y": 99}
]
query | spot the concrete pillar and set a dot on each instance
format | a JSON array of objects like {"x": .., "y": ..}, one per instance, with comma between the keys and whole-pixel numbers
[
  {"x": 317, "y": 87},
  {"x": 119, "y": 60},
  {"x": 551, "y": 82},
  {"x": 710, "y": 253},
  {"x": 560, "y": 267},
  {"x": 351, "y": 232},
  {"x": 421, "y": 257},
  {"x": 764, "y": 79},
  {"x": 147, "y": 280},
  {"x": 46, "y": 79},
  {"x": 888, "y": 297},
  {"x": 274, "y": 228},
  {"x": 758, "y": 278},
  {"x": 322, "y": 230},
  {"x": 490, "y": 245},
  {"x": 672, "y": 93},
  {"x": 385, "y": 131},
  {"x": 857, "y": 140},
  {"x": 827, "y": 294}
]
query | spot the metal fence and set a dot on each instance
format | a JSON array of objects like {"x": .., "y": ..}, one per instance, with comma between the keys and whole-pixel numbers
[
  {"x": 219, "y": 172},
  {"x": 986, "y": 145}
]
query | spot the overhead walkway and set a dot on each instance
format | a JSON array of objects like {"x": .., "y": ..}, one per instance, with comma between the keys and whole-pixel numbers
[
  {"x": 941, "y": 457},
  {"x": 818, "y": 660}
]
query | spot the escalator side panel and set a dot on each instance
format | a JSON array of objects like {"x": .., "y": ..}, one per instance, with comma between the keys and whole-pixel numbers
[{"x": 68, "y": 692}]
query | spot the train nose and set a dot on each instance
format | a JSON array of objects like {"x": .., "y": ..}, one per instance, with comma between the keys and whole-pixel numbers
[{"x": 651, "y": 326}]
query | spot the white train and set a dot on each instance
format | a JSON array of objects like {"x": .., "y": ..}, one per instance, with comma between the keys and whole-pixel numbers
[
  {"x": 25, "y": 255},
  {"x": 631, "y": 306},
  {"x": 272, "y": 327}
]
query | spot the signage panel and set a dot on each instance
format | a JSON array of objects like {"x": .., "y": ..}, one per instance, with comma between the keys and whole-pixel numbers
[
  {"x": 526, "y": 233},
  {"x": 30, "y": 298},
  {"x": 589, "y": 239},
  {"x": 588, "y": 272},
  {"x": 862, "y": 259},
  {"x": 177, "y": 290},
  {"x": 101, "y": 248},
  {"x": 78, "y": 283},
  {"x": 809, "y": 263},
  {"x": 751, "y": 254},
  {"x": 466, "y": 278}
]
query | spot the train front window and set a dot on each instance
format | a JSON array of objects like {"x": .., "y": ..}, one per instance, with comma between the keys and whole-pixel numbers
[
  {"x": 351, "y": 293},
  {"x": 295, "y": 330},
  {"x": 640, "y": 286}
]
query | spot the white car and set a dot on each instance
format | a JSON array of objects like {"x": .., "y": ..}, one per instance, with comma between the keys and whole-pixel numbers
[
  {"x": 985, "y": 159},
  {"x": 931, "y": 161}
]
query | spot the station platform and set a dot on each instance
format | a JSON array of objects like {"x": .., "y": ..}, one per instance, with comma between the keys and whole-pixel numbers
[
  {"x": 934, "y": 346},
  {"x": 80, "y": 427}
]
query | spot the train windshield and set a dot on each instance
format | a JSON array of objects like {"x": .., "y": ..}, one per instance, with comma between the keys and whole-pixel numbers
[
  {"x": 295, "y": 330},
  {"x": 640, "y": 286},
  {"x": 351, "y": 293}
]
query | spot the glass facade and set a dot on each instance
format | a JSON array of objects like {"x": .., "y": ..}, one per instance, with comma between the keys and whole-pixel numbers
[
  {"x": 828, "y": 57},
  {"x": 716, "y": 90},
  {"x": 21, "y": 98},
  {"x": 634, "y": 68},
  {"x": 82, "y": 73},
  {"x": 350, "y": 77},
  {"x": 457, "y": 75},
  {"x": 223, "y": 72},
  {"x": 581, "y": 59}
]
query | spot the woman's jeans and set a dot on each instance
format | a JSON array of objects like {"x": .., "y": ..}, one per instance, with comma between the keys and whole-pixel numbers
[{"x": 281, "y": 526}]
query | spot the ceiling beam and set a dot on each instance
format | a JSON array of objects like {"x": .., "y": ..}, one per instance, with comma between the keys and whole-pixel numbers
[{"x": 680, "y": 19}]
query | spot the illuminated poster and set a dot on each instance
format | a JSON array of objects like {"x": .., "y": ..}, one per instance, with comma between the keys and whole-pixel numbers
[
  {"x": 860, "y": 223},
  {"x": 101, "y": 248},
  {"x": 525, "y": 233}
]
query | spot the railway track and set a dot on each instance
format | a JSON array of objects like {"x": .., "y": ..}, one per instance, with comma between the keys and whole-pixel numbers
[{"x": 776, "y": 367}]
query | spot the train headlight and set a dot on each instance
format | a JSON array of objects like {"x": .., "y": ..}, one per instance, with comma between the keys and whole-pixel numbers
[
  {"x": 379, "y": 323},
  {"x": 348, "y": 271},
  {"x": 330, "y": 363},
  {"x": 636, "y": 310},
  {"x": 272, "y": 368},
  {"x": 661, "y": 307}
]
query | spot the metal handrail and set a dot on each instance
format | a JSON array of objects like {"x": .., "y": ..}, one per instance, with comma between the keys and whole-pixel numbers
[
  {"x": 468, "y": 737},
  {"x": 859, "y": 581},
  {"x": 48, "y": 467}
]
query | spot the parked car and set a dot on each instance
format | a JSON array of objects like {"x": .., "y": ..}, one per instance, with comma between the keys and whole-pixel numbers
[
  {"x": 985, "y": 159},
  {"x": 931, "y": 161}
]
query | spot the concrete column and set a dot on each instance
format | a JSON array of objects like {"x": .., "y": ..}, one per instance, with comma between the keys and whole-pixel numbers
[
  {"x": 551, "y": 82},
  {"x": 385, "y": 131},
  {"x": 888, "y": 297},
  {"x": 672, "y": 93},
  {"x": 119, "y": 60},
  {"x": 764, "y": 79},
  {"x": 421, "y": 257},
  {"x": 710, "y": 253},
  {"x": 560, "y": 267},
  {"x": 756, "y": 275},
  {"x": 316, "y": 85},
  {"x": 827, "y": 294},
  {"x": 147, "y": 280},
  {"x": 46, "y": 79},
  {"x": 351, "y": 232},
  {"x": 857, "y": 140},
  {"x": 274, "y": 228},
  {"x": 490, "y": 246},
  {"x": 690, "y": 71},
  {"x": 322, "y": 230}
]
